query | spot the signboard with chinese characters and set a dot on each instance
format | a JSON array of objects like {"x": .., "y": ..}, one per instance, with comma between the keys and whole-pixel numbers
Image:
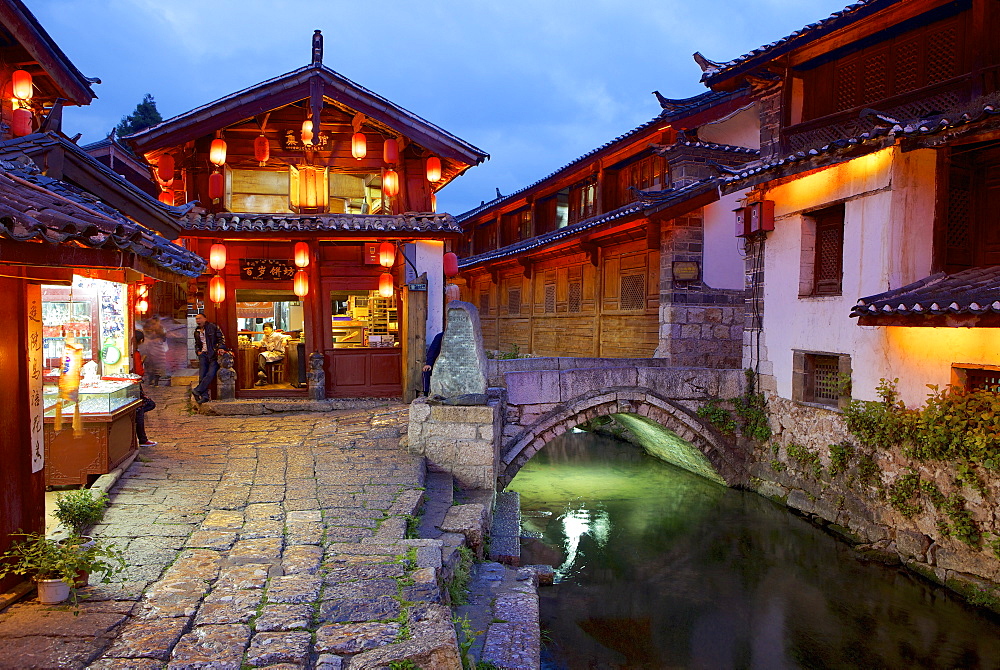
[
  {"x": 371, "y": 253},
  {"x": 266, "y": 270},
  {"x": 35, "y": 408}
]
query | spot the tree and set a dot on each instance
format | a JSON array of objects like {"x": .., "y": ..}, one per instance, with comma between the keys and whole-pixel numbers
[{"x": 144, "y": 116}]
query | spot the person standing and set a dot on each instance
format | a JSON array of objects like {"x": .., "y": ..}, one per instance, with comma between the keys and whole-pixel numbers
[
  {"x": 209, "y": 343},
  {"x": 147, "y": 403}
]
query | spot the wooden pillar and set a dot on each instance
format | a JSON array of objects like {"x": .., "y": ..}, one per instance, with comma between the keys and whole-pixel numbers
[{"x": 414, "y": 338}]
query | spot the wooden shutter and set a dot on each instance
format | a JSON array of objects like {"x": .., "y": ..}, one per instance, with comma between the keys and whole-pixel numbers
[
  {"x": 958, "y": 219},
  {"x": 829, "y": 264}
]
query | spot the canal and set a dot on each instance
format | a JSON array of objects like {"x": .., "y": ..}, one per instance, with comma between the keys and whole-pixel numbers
[{"x": 660, "y": 568}]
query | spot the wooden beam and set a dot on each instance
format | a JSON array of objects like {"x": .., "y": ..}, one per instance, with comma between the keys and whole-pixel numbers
[
  {"x": 526, "y": 266},
  {"x": 592, "y": 250},
  {"x": 653, "y": 234}
]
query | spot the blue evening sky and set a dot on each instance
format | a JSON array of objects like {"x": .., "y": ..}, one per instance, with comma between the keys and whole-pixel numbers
[{"x": 534, "y": 83}]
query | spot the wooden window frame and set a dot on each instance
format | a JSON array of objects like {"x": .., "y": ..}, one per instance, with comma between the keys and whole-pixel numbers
[
  {"x": 822, "y": 274},
  {"x": 804, "y": 378}
]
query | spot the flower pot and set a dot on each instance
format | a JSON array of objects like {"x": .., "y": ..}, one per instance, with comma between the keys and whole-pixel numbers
[{"x": 52, "y": 591}]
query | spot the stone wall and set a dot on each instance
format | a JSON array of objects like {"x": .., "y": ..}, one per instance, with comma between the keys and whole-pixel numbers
[
  {"x": 460, "y": 440},
  {"x": 795, "y": 468}
]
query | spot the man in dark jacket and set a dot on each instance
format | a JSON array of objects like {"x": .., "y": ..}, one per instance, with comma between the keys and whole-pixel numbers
[{"x": 209, "y": 342}]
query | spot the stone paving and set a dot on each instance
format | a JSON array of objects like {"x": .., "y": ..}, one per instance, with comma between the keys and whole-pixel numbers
[{"x": 255, "y": 542}]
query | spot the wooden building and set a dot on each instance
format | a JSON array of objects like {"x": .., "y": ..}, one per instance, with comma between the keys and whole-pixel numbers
[
  {"x": 312, "y": 160},
  {"x": 619, "y": 253},
  {"x": 62, "y": 215}
]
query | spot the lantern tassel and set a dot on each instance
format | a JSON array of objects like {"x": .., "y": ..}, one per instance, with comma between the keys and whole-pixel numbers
[
  {"x": 77, "y": 421},
  {"x": 57, "y": 423}
]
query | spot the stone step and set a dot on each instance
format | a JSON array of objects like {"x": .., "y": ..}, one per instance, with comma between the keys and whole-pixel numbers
[
  {"x": 505, "y": 533},
  {"x": 439, "y": 494}
]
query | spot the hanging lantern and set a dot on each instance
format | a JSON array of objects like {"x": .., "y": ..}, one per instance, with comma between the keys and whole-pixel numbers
[
  {"x": 216, "y": 185},
  {"x": 307, "y": 132},
  {"x": 390, "y": 183},
  {"x": 20, "y": 84},
  {"x": 217, "y": 257},
  {"x": 300, "y": 284},
  {"x": 261, "y": 150},
  {"x": 217, "y": 152},
  {"x": 165, "y": 167},
  {"x": 21, "y": 122},
  {"x": 385, "y": 285},
  {"x": 387, "y": 254},
  {"x": 301, "y": 254},
  {"x": 167, "y": 196},
  {"x": 142, "y": 290},
  {"x": 359, "y": 145},
  {"x": 390, "y": 151},
  {"x": 433, "y": 169},
  {"x": 142, "y": 306},
  {"x": 217, "y": 289},
  {"x": 450, "y": 262}
]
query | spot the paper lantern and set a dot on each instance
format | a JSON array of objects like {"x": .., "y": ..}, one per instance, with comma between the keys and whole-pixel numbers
[
  {"x": 21, "y": 122},
  {"x": 217, "y": 152},
  {"x": 301, "y": 254},
  {"x": 142, "y": 290},
  {"x": 167, "y": 196},
  {"x": 390, "y": 183},
  {"x": 385, "y": 286},
  {"x": 217, "y": 256},
  {"x": 450, "y": 262},
  {"x": 300, "y": 284},
  {"x": 387, "y": 254},
  {"x": 261, "y": 150},
  {"x": 216, "y": 185},
  {"x": 433, "y": 169},
  {"x": 165, "y": 167},
  {"x": 142, "y": 306},
  {"x": 217, "y": 289},
  {"x": 21, "y": 85},
  {"x": 390, "y": 151},
  {"x": 359, "y": 145},
  {"x": 307, "y": 132}
]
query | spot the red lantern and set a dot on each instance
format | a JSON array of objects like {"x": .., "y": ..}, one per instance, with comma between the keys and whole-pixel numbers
[
  {"x": 217, "y": 152},
  {"x": 301, "y": 284},
  {"x": 385, "y": 285},
  {"x": 217, "y": 289},
  {"x": 450, "y": 262},
  {"x": 307, "y": 132},
  {"x": 387, "y": 254},
  {"x": 142, "y": 306},
  {"x": 261, "y": 150},
  {"x": 390, "y": 151},
  {"x": 20, "y": 84},
  {"x": 433, "y": 169},
  {"x": 216, "y": 185},
  {"x": 167, "y": 196},
  {"x": 390, "y": 183},
  {"x": 142, "y": 290},
  {"x": 165, "y": 167},
  {"x": 359, "y": 145},
  {"x": 21, "y": 123},
  {"x": 301, "y": 254},
  {"x": 217, "y": 257}
]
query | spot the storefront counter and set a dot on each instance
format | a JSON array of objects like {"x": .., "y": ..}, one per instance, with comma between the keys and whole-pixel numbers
[{"x": 364, "y": 372}]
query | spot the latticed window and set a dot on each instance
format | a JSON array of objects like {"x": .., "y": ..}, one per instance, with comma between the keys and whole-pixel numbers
[
  {"x": 988, "y": 380},
  {"x": 550, "y": 298},
  {"x": 633, "y": 292},
  {"x": 575, "y": 296},
  {"x": 514, "y": 301},
  {"x": 828, "y": 267},
  {"x": 484, "y": 303},
  {"x": 822, "y": 383}
]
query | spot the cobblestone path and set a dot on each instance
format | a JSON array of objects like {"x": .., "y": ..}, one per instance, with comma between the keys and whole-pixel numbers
[{"x": 267, "y": 541}]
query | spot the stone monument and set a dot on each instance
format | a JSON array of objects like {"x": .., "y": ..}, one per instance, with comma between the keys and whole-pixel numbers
[{"x": 460, "y": 369}]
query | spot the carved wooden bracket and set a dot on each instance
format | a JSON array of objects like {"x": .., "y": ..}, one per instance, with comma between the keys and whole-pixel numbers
[
  {"x": 526, "y": 264},
  {"x": 494, "y": 274},
  {"x": 591, "y": 250}
]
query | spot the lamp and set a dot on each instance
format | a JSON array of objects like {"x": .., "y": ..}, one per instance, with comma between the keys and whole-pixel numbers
[
  {"x": 165, "y": 168},
  {"x": 216, "y": 185},
  {"x": 142, "y": 306},
  {"x": 433, "y": 169},
  {"x": 21, "y": 122},
  {"x": 21, "y": 84},
  {"x": 167, "y": 196},
  {"x": 301, "y": 254},
  {"x": 450, "y": 263},
  {"x": 390, "y": 183},
  {"x": 359, "y": 145},
  {"x": 300, "y": 284},
  {"x": 390, "y": 151},
  {"x": 217, "y": 289},
  {"x": 307, "y": 132},
  {"x": 387, "y": 254},
  {"x": 217, "y": 257},
  {"x": 261, "y": 150},
  {"x": 385, "y": 285},
  {"x": 217, "y": 152}
]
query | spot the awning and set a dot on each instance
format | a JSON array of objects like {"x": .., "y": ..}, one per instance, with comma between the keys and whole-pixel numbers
[{"x": 966, "y": 299}]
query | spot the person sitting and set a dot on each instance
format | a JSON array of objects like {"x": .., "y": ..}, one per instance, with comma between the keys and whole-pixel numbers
[{"x": 272, "y": 347}]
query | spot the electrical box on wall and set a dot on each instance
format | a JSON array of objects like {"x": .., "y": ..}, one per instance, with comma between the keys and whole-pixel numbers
[
  {"x": 761, "y": 215},
  {"x": 742, "y": 222}
]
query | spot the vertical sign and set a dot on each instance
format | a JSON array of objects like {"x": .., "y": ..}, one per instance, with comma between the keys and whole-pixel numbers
[{"x": 35, "y": 406}]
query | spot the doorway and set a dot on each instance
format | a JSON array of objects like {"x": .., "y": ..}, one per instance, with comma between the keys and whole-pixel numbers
[{"x": 270, "y": 356}]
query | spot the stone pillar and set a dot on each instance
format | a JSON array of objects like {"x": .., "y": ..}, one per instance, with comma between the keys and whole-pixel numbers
[
  {"x": 461, "y": 440},
  {"x": 226, "y": 379},
  {"x": 316, "y": 377}
]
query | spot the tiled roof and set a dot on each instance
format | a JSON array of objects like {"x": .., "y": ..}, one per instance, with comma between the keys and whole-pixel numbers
[
  {"x": 744, "y": 152},
  {"x": 673, "y": 109},
  {"x": 975, "y": 292},
  {"x": 648, "y": 200},
  {"x": 35, "y": 207},
  {"x": 835, "y": 21},
  {"x": 347, "y": 223}
]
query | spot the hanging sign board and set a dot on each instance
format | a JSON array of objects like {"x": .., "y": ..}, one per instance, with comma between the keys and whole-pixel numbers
[
  {"x": 371, "y": 253},
  {"x": 36, "y": 407},
  {"x": 263, "y": 269}
]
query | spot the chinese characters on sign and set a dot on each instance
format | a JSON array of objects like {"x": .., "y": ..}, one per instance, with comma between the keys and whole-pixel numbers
[
  {"x": 266, "y": 270},
  {"x": 35, "y": 407}
]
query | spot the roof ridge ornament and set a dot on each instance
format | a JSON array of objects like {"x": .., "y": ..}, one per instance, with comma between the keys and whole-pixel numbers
[
  {"x": 705, "y": 64},
  {"x": 317, "y": 47}
]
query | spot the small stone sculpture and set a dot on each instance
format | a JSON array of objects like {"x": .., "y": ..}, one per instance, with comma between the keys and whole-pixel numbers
[
  {"x": 226, "y": 379},
  {"x": 316, "y": 377}
]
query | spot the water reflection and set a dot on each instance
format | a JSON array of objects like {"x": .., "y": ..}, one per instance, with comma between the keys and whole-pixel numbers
[{"x": 658, "y": 568}]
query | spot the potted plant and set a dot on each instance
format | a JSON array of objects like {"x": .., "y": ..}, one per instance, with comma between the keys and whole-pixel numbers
[
  {"x": 54, "y": 566},
  {"x": 79, "y": 510}
]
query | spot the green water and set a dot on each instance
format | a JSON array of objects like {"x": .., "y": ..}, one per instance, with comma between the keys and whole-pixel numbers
[{"x": 659, "y": 568}]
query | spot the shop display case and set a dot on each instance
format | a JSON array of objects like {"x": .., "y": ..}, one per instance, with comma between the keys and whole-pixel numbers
[{"x": 104, "y": 397}]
